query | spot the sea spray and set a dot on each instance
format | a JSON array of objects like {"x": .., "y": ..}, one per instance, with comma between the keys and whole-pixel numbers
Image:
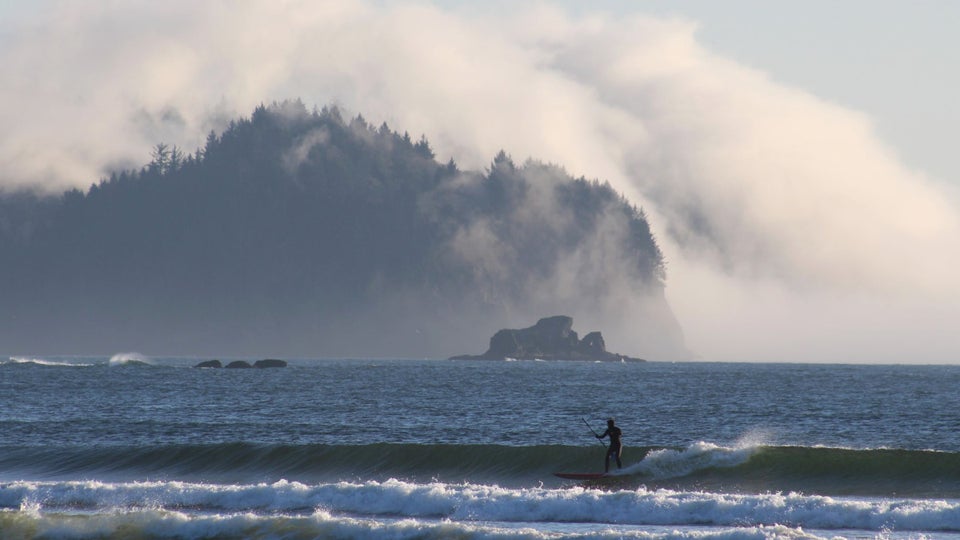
[
  {"x": 670, "y": 463},
  {"x": 128, "y": 359}
]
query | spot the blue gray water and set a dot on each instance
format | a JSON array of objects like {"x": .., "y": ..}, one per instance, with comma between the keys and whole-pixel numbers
[{"x": 433, "y": 448}]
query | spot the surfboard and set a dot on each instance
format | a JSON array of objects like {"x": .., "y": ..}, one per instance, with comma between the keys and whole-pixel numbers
[{"x": 580, "y": 475}]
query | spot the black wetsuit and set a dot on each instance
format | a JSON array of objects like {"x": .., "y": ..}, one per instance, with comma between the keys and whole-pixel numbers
[{"x": 615, "y": 446}]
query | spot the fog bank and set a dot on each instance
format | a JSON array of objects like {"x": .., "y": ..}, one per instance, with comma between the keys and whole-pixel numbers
[{"x": 791, "y": 231}]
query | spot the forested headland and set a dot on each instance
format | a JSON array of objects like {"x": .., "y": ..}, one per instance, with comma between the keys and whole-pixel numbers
[{"x": 303, "y": 233}]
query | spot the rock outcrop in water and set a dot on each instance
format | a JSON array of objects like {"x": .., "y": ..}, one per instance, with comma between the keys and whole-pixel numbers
[
  {"x": 242, "y": 364},
  {"x": 270, "y": 363},
  {"x": 209, "y": 364},
  {"x": 239, "y": 364},
  {"x": 552, "y": 338}
]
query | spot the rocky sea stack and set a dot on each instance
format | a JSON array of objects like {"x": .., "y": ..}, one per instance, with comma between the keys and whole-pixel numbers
[
  {"x": 552, "y": 338},
  {"x": 242, "y": 364}
]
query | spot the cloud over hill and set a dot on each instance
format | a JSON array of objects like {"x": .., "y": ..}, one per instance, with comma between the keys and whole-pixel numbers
[
  {"x": 302, "y": 233},
  {"x": 790, "y": 230}
]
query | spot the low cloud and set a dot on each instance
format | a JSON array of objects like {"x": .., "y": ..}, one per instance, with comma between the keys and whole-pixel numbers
[{"x": 792, "y": 232}]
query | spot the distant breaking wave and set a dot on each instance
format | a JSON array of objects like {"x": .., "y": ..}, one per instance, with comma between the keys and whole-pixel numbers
[
  {"x": 121, "y": 359},
  {"x": 43, "y": 362},
  {"x": 700, "y": 467},
  {"x": 126, "y": 359}
]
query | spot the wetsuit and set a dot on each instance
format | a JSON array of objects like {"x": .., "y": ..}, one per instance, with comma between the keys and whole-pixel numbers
[{"x": 615, "y": 447}]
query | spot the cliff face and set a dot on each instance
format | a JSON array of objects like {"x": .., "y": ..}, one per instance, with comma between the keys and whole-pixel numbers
[{"x": 552, "y": 338}]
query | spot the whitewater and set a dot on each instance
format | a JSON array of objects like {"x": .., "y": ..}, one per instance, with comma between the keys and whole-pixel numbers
[{"x": 131, "y": 446}]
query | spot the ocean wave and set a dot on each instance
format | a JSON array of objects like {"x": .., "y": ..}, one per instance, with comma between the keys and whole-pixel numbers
[
  {"x": 839, "y": 471},
  {"x": 698, "y": 467},
  {"x": 129, "y": 359},
  {"x": 321, "y": 524},
  {"x": 476, "y": 505},
  {"x": 311, "y": 462},
  {"x": 21, "y": 360},
  {"x": 667, "y": 463},
  {"x": 117, "y": 360}
]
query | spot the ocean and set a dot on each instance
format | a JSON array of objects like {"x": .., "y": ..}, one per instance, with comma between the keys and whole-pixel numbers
[{"x": 137, "y": 447}]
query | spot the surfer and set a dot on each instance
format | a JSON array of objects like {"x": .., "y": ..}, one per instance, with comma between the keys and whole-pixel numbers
[{"x": 615, "y": 447}]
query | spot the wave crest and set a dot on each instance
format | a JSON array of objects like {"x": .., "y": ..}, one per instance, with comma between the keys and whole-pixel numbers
[
  {"x": 129, "y": 359},
  {"x": 23, "y": 360},
  {"x": 397, "y": 500},
  {"x": 701, "y": 466}
]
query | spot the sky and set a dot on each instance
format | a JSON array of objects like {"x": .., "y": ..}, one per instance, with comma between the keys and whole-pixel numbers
[{"x": 795, "y": 159}]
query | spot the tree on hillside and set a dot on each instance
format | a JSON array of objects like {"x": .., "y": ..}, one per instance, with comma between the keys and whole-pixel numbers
[{"x": 298, "y": 221}]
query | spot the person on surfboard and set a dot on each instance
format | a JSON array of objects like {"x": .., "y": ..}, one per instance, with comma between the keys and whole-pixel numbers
[{"x": 615, "y": 448}]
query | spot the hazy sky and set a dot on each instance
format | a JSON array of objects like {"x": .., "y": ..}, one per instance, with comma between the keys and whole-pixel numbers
[{"x": 795, "y": 158}]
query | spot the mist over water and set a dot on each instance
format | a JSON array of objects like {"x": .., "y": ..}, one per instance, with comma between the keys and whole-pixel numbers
[{"x": 791, "y": 231}]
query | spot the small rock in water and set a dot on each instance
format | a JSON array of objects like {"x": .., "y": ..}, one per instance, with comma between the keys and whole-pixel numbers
[
  {"x": 209, "y": 364},
  {"x": 269, "y": 363},
  {"x": 237, "y": 364}
]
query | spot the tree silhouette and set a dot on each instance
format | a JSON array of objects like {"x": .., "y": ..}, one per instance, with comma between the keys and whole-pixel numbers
[{"x": 294, "y": 221}]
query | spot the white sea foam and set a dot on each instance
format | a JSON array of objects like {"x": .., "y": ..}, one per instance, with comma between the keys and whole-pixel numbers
[
  {"x": 471, "y": 503},
  {"x": 322, "y": 524},
  {"x": 668, "y": 463},
  {"x": 122, "y": 359},
  {"x": 44, "y": 362}
]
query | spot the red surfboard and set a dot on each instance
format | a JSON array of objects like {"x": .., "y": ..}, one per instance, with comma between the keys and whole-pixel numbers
[{"x": 580, "y": 475}]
